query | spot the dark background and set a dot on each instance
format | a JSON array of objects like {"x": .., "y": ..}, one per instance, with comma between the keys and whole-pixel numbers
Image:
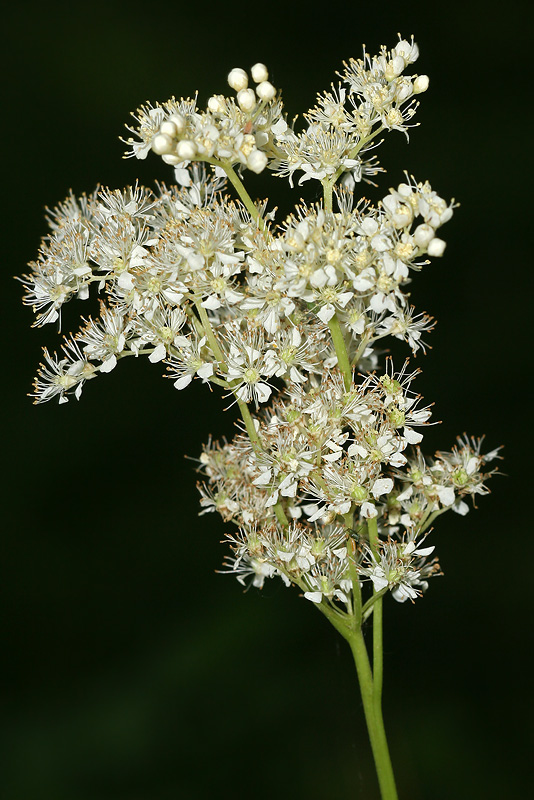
[{"x": 131, "y": 670}]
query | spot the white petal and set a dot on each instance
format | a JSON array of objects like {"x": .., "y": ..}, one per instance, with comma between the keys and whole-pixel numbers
[
  {"x": 212, "y": 302},
  {"x": 411, "y": 436},
  {"x": 344, "y": 298},
  {"x": 159, "y": 353},
  {"x": 263, "y": 479},
  {"x": 446, "y": 495},
  {"x": 472, "y": 465},
  {"x": 368, "y": 510},
  {"x": 181, "y": 383},
  {"x": 382, "y": 486},
  {"x": 333, "y": 456},
  {"x": 340, "y": 553},
  {"x": 205, "y": 371},
  {"x": 272, "y": 500},
  {"x": 461, "y": 508},
  {"x": 109, "y": 364},
  {"x": 315, "y": 597},
  {"x": 263, "y": 392},
  {"x": 369, "y": 226},
  {"x": 406, "y": 494},
  {"x": 183, "y": 176},
  {"x": 318, "y": 278},
  {"x": 283, "y": 556},
  {"x": 326, "y": 313},
  {"x": 425, "y": 551},
  {"x": 379, "y": 582},
  {"x": 126, "y": 281}
]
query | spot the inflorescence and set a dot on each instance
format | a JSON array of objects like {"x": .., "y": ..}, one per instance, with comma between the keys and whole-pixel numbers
[{"x": 283, "y": 317}]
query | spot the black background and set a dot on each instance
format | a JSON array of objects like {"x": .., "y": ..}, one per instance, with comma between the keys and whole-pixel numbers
[{"x": 131, "y": 670}]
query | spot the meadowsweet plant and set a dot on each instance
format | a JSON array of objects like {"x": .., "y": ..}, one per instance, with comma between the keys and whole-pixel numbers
[{"x": 324, "y": 487}]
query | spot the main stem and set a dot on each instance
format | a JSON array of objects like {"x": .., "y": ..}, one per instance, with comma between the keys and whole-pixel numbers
[
  {"x": 370, "y": 679},
  {"x": 373, "y": 716}
]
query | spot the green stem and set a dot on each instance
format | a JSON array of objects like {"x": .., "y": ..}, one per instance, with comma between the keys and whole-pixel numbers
[
  {"x": 356, "y": 590},
  {"x": 334, "y": 617},
  {"x": 328, "y": 185},
  {"x": 246, "y": 199},
  {"x": 368, "y": 608},
  {"x": 210, "y": 336},
  {"x": 355, "y": 151},
  {"x": 249, "y": 423},
  {"x": 426, "y": 523},
  {"x": 378, "y": 660},
  {"x": 341, "y": 350},
  {"x": 360, "y": 351},
  {"x": 243, "y": 407},
  {"x": 281, "y": 515},
  {"x": 373, "y": 717},
  {"x": 219, "y": 355}
]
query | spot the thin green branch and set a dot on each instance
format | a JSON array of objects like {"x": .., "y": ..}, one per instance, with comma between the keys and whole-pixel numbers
[
  {"x": 341, "y": 350},
  {"x": 244, "y": 196}
]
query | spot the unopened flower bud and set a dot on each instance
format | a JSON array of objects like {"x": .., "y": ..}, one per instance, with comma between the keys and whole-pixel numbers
[
  {"x": 186, "y": 150},
  {"x": 394, "y": 68},
  {"x": 162, "y": 144},
  {"x": 265, "y": 90},
  {"x": 423, "y": 234},
  {"x": 171, "y": 158},
  {"x": 178, "y": 121},
  {"x": 238, "y": 79},
  {"x": 257, "y": 161},
  {"x": 246, "y": 99},
  {"x": 259, "y": 73},
  {"x": 408, "y": 50},
  {"x": 420, "y": 84},
  {"x": 436, "y": 247},
  {"x": 169, "y": 128},
  {"x": 214, "y": 104},
  {"x": 359, "y": 493}
]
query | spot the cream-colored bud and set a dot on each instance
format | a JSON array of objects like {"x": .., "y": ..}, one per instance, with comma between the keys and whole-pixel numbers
[
  {"x": 246, "y": 99},
  {"x": 257, "y": 161},
  {"x": 162, "y": 143},
  {"x": 259, "y": 73},
  {"x": 420, "y": 84},
  {"x": 436, "y": 247},
  {"x": 215, "y": 105},
  {"x": 238, "y": 79},
  {"x": 186, "y": 150},
  {"x": 423, "y": 234},
  {"x": 171, "y": 158},
  {"x": 394, "y": 67},
  {"x": 178, "y": 121},
  {"x": 169, "y": 128},
  {"x": 265, "y": 90}
]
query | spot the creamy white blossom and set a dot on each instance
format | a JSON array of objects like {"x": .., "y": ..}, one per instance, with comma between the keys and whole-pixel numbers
[{"x": 325, "y": 480}]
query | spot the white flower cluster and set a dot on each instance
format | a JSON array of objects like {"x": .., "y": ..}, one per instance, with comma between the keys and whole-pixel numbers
[
  {"x": 271, "y": 294},
  {"x": 375, "y": 95},
  {"x": 231, "y": 130},
  {"x": 323, "y": 484},
  {"x": 327, "y": 458}
]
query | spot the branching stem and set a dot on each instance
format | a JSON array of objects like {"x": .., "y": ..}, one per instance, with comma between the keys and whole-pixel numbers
[{"x": 341, "y": 350}]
